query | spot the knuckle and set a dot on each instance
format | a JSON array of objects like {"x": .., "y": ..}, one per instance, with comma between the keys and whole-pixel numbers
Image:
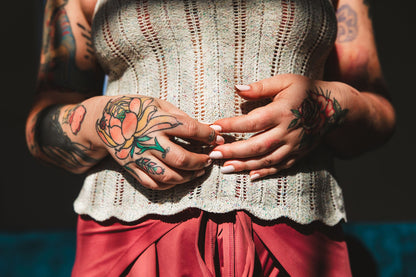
[
  {"x": 267, "y": 162},
  {"x": 192, "y": 128},
  {"x": 257, "y": 148},
  {"x": 260, "y": 86},
  {"x": 166, "y": 179},
  {"x": 181, "y": 160}
]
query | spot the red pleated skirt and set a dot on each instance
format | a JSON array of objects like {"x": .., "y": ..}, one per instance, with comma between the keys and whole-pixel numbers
[{"x": 197, "y": 243}]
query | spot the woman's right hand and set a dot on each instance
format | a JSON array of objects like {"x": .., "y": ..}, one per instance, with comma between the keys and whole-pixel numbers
[{"x": 138, "y": 130}]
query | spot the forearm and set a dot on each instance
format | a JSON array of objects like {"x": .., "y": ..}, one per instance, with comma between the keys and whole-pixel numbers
[
  {"x": 64, "y": 134},
  {"x": 369, "y": 122}
]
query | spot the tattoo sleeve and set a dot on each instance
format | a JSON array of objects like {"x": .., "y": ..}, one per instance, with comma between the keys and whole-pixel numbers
[
  {"x": 317, "y": 115},
  {"x": 55, "y": 143},
  {"x": 58, "y": 66}
]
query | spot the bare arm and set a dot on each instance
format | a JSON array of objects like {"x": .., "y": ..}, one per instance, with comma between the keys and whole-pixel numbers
[
  {"x": 71, "y": 127},
  {"x": 68, "y": 74},
  {"x": 354, "y": 61},
  {"x": 349, "y": 111}
]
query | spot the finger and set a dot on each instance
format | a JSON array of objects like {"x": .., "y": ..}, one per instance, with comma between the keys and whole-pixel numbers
[
  {"x": 154, "y": 174},
  {"x": 261, "y": 173},
  {"x": 170, "y": 108},
  {"x": 192, "y": 129},
  {"x": 257, "y": 120},
  {"x": 268, "y": 88},
  {"x": 145, "y": 179},
  {"x": 177, "y": 157},
  {"x": 265, "y": 161},
  {"x": 257, "y": 145}
]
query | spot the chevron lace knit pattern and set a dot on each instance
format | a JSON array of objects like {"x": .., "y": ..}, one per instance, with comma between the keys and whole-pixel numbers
[{"x": 192, "y": 53}]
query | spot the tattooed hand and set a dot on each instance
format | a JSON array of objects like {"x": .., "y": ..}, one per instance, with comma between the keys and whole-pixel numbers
[
  {"x": 137, "y": 132},
  {"x": 302, "y": 111}
]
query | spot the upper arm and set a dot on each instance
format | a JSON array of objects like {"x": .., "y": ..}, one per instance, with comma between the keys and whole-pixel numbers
[
  {"x": 67, "y": 61},
  {"x": 68, "y": 70},
  {"x": 355, "y": 59}
]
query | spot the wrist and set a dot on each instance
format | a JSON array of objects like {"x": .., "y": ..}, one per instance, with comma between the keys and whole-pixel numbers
[{"x": 94, "y": 108}]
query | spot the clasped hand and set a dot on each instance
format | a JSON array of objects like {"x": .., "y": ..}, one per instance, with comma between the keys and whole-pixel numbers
[
  {"x": 301, "y": 112},
  {"x": 137, "y": 131}
]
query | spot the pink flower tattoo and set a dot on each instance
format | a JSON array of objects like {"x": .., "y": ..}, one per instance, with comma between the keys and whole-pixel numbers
[{"x": 127, "y": 124}]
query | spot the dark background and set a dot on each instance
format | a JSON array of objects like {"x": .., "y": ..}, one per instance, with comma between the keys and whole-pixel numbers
[{"x": 378, "y": 186}]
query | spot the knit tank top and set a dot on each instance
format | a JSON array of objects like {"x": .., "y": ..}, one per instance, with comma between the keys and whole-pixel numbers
[{"x": 192, "y": 53}]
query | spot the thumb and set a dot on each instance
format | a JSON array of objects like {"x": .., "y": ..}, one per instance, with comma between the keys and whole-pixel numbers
[{"x": 266, "y": 88}]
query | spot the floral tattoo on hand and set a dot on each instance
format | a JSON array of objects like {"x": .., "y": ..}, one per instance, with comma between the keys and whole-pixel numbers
[
  {"x": 127, "y": 124},
  {"x": 317, "y": 114}
]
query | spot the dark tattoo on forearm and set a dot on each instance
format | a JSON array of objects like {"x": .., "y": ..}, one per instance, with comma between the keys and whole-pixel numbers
[
  {"x": 86, "y": 33},
  {"x": 74, "y": 117},
  {"x": 317, "y": 115},
  {"x": 347, "y": 24},
  {"x": 56, "y": 145},
  {"x": 58, "y": 68},
  {"x": 127, "y": 123}
]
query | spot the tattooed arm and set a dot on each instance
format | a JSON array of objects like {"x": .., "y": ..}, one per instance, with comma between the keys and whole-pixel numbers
[
  {"x": 68, "y": 74},
  {"x": 71, "y": 127},
  {"x": 355, "y": 62},
  {"x": 350, "y": 112}
]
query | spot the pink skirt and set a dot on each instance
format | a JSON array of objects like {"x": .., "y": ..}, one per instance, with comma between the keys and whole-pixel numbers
[{"x": 197, "y": 243}]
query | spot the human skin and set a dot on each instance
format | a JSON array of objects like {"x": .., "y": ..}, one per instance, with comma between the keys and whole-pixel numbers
[
  {"x": 364, "y": 120},
  {"x": 72, "y": 127}
]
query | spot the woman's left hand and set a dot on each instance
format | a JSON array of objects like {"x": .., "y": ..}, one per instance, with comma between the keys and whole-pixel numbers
[{"x": 300, "y": 114}]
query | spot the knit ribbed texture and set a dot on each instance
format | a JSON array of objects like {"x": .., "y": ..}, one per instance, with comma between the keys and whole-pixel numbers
[{"x": 192, "y": 53}]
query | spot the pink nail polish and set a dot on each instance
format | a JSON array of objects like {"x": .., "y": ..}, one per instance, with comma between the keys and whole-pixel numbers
[
  {"x": 227, "y": 169},
  {"x": 215, "y": 155},
  {"x": 254, "y": 177},
  {"x": 217, "y": 128},
  {"x": 208, "y": 163},
  {"x": 220, "y": 140},
  {"x": 242, "y": 87}
]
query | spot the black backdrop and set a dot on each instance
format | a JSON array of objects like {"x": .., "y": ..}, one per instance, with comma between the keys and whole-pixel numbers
[{"x": 378, "y": 186}]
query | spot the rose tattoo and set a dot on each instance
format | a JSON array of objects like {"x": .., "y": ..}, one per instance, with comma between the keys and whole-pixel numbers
[{"x": 316, "y": 115}]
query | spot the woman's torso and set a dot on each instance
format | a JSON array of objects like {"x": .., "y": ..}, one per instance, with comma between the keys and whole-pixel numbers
[{"x": 192, "y": 53}]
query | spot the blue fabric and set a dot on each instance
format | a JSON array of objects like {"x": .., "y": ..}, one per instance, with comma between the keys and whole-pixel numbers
[
  {"x": 33, "y": 254},
  {"x": 385, "y": 250},
  {"x": 382, "y": 249}
]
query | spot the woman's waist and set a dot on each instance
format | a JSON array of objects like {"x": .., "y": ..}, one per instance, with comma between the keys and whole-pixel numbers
[{"x": 308, "y": 194}]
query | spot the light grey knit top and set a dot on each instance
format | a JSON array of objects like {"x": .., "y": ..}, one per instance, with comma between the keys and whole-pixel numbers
[{"x": 192, "y": 53}]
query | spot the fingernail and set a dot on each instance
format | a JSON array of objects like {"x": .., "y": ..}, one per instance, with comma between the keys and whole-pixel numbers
[
  {"x": 217, "y": 128},
  {"x": 200, "y": 173},
  {"x": 227, "y": 169},
  {"x": 254, "y": 177},
  {"x": 208, "y": 163},
  {"x": 242, "y": 87},
  {"x": 220, "y": 140},
  {"x": 215, "y": 155}
]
